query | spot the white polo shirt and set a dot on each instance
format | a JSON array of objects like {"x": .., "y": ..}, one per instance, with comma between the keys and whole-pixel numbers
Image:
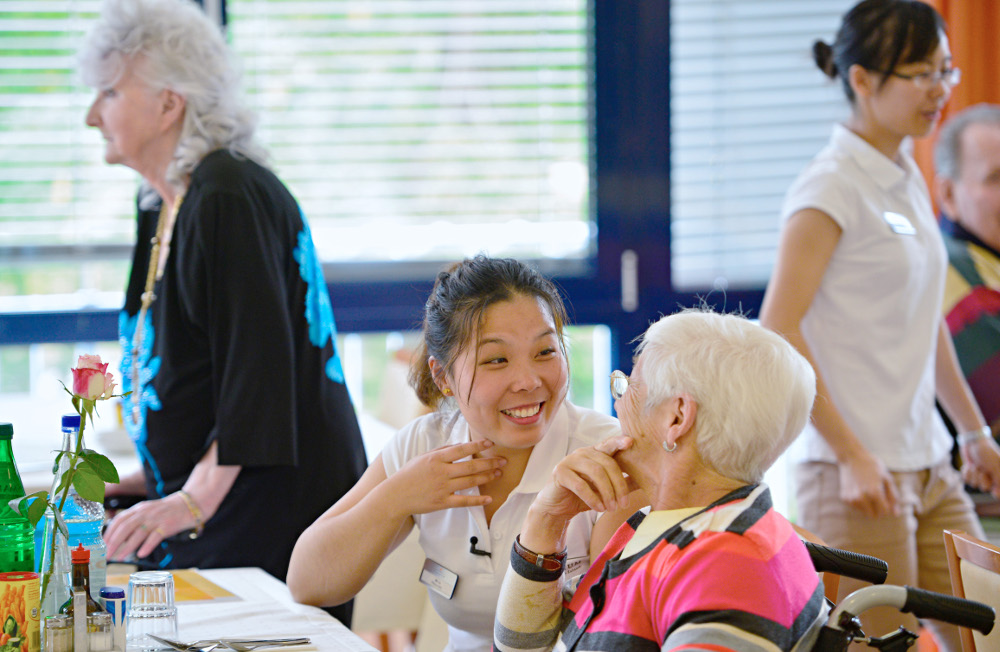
[
  {"x": 873, "y": 324},
  {"x": 445, "y": 534}
]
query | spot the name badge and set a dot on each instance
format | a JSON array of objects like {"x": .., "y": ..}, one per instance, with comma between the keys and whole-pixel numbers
[
  {"x": 438, "y": 579},
  {"x": 576, "y": 566},
  {"x": 899, "y": 223}
]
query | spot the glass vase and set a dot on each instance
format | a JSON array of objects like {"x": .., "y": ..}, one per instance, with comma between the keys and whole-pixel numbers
[{"x": 54, "y": 571}]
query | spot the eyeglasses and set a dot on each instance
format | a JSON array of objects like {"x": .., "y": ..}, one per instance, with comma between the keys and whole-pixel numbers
[
  {"x": 619, "y": 383},
  {"x": 928, "y": 80}
]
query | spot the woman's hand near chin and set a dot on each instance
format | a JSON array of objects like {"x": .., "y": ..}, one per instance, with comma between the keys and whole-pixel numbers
[
  {"x": 432, "y": 481},
  {"x": 587, "y": 479}
]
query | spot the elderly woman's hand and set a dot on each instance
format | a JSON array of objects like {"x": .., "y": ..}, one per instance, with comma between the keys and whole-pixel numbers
[
  {"x": 141, "y": 528},
  {"x": 588, "y": 478}
]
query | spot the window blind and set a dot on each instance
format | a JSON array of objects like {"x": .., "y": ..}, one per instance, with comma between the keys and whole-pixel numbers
[
  {"x": 54, "y": 185},
  {"x": 426, "y": 129},
  {"x": 66, "y": 217},
  {"x": 749, "y": 109},
  {"x": 407, "y": 129}
]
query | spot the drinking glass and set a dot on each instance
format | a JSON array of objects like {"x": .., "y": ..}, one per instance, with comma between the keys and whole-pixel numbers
[{"x": 151, "y": 609}]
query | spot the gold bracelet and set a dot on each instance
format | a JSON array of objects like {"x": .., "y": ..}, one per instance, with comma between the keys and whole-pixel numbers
[{"x": 199, "y": 525}]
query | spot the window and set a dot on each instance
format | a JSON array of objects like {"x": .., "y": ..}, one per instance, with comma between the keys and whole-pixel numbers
[
  {"x": 749, "y": 109},
  {"x": 408, "y": 130},
  {"x": 426, "y": 130},
  {"x": 66, "y": 218}
]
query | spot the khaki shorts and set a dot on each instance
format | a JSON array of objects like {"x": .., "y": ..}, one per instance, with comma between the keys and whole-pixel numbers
[{"x": 931, "y": 500}]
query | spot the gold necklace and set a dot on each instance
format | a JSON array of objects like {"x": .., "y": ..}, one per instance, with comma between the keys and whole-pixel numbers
[{"x": 154, "y": 272}]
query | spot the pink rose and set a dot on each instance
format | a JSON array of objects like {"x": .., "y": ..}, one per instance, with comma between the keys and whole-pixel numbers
[{"x": 91, "y": 379}]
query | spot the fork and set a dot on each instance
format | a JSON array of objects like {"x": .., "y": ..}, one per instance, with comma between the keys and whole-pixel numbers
[
  {"x": 187, "y": 647},
  {"x": 238, "y": 644},
  {"x": 244, "y": 645}
]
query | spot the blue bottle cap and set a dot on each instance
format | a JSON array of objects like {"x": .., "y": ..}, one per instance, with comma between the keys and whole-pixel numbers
[
  {"x": 112, "y": 592},
  {"x": 71, "y": 421}
]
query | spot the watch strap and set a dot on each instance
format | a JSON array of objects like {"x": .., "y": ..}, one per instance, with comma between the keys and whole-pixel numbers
[{"x": 553, "y": 562}]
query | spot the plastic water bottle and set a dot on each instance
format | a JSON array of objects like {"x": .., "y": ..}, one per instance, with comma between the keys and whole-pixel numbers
[
  {"x": 17, "y": 547},
  {"x": 84, "y": 518}
]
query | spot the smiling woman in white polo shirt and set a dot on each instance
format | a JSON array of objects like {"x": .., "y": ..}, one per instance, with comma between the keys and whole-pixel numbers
[
  {"x": 857, "y": 288},
  {"x": 494, "y": 364}
]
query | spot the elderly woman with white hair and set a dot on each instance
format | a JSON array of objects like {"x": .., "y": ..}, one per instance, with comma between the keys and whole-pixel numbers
[
  {"x": 712, "y": 401},
  {"x": 237, "y": 404}
]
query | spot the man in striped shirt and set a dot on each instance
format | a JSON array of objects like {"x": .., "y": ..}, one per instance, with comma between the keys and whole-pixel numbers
[{"x": 967, "y": 159}]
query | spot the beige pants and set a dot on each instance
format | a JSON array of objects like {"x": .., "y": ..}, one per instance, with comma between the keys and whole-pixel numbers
[{"x": 912, "y": 543}]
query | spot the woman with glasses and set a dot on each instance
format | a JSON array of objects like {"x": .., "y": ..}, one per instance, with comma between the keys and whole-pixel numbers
[
  {"x": 857, "y": 288},
  {"x": 493, "y": 367},
  {"x": 712, "y": 401}
]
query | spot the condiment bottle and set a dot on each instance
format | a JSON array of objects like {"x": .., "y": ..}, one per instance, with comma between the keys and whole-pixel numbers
[{"x": 81, "y": 581}]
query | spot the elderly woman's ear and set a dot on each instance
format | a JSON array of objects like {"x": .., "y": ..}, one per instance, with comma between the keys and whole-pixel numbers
[
  {"x": 172, "y": 104},
  {"x": 681, "y": 412}
]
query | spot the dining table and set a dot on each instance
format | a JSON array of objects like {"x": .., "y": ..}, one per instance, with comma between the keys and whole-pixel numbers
[{"x": 261, "y": 606}]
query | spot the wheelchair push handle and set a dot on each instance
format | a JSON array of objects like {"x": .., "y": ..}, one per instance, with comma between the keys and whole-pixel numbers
[
  {"x": 957, "y": 611},
  {"x": 921, "y": 603},
  {"x": 849, "y": 564}
]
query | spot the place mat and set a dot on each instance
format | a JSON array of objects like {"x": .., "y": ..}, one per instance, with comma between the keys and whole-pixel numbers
[{"x": 189, "y": 586}]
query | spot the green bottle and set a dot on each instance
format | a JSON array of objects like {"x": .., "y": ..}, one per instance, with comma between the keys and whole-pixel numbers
[{"x": 17, "y": 537}]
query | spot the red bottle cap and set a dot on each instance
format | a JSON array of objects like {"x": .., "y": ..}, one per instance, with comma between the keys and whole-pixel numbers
[{"x": 80, "y": 555}]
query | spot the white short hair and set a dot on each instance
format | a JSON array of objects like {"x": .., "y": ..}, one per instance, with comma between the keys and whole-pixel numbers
[{"x": 753, "y": 389}]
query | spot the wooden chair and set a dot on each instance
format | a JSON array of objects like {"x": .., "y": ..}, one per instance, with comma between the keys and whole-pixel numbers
[{"x": 974, "y": 566}]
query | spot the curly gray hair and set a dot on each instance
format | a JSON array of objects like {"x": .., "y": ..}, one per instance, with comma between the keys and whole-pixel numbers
[{"x": 182, "y": 50}]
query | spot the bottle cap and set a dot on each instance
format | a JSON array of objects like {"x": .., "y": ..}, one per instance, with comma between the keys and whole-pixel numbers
[
  {"x": 59, "y": 621},
  {"x": 71, "y": 421},
  {"x": 6, "y": 430},
  {"x": 112, "y": 592},
  {"x": 81, "y": 555}
]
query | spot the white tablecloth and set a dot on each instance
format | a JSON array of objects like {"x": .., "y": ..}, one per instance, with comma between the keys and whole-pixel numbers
[{"x": 265, "y": 610}]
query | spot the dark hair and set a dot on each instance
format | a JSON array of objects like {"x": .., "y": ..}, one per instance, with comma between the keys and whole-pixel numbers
[
  {"x": 879, "y": 35},
  {"x": 455, "y": 310}
]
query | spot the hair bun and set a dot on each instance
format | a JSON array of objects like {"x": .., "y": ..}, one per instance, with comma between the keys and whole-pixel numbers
[{"x": 823, "y": 56}]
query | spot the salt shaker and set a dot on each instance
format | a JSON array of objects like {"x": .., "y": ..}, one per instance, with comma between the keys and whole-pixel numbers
[
  {"x": 58, "y": 634},
  {"x": 99, "y": 632}
]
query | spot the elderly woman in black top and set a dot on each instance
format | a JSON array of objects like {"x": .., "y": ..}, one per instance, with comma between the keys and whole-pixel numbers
[{"x": 238, "y": 406}]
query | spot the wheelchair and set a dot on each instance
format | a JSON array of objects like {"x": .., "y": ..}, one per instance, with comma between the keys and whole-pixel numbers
[{"x": 843, "y": 625}]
